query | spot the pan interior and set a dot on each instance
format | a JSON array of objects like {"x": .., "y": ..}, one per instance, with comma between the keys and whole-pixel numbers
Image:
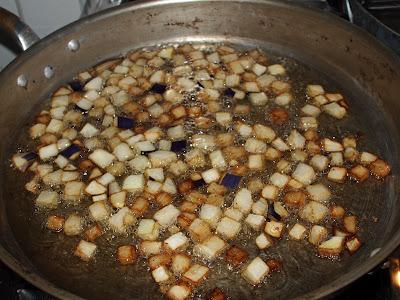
[{"x": 303, "y": 271}]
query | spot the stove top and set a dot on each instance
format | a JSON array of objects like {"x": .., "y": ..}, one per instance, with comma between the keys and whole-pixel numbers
[{"x": 382, "y": 19}]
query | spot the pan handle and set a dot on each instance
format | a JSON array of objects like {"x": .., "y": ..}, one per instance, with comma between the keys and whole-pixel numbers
[{"x": 14, "y": 33}]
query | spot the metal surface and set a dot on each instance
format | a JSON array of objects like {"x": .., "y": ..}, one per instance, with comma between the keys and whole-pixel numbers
[
  {"x": 365, "y": 70},
  {"x": 18, "y": 35}
]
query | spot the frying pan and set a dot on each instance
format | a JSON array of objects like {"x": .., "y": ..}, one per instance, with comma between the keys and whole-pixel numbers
[{"x": 350, "y": 59}]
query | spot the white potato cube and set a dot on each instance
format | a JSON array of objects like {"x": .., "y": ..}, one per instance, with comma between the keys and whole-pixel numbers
[
  {"x": 331, "y": 145},
  {"x": 176, "y": 133},
  {"x": 179, "y": 292},
  {"x": 337, "y": 174},
  {"x": 263, "y": 241},
  {"x": 160, "y": 274},
  {"x": 217, "y": 160},
  {"x": 48, "y": 151},
  {"x": 255, "y": 221},
  {"x": 298, "y": 232},
  {"x": 73, "y": 225},
  {"x": 211, "y": 175},
  {"x": 313, "y": 212},
  {"x": 133, "y": 183},
  {"x": 196, "y": 273},
  {"x": 123, "y": 152},
  {"x": 318, "y": 192},
  {"x": 319, "y": 162},
  {"x": 176, "y": 241},
  {"x": 260, "y": 207},
  {"x": 318, "y": 234},
  {"x": 366, "y": 158},
  {"x": 274, "y": 228},
  {"x": 304, "y": 174},
  {"x": 99, "y": 211},
  {"x": 95, "y": 188},
  {"x": 210, "y": 213},
  {"x": 256, "y": 162},
  {"x": 264, "y": 133},
  {"x": 167, "y": 215},
  {"x": 180, "y": 263},
  {"x": 47, "y": 199},
  {"x": 255, "y": 146},
  {"x": 243, "y": 201},
  {"x": 148, "y": 229},
  {"x": 228, "y": 228},
  {"x": 256, "y": 271},
  {"x": 233, "y": 213},
  {"x": 223, "y": 118},
  {"x": 258, "y": 99},
  {"x": 85, "y": 250},
  {"x": 315, "y": 90},
  {"x": 335, "y": 110},
  {"x": 162, "y": 158},
  {"x": 332, "y": 247},
  {"x": 279, "y": 180},
  {"x": 280, "y": 145},
  {"x": 310, "y": 110},
  {"x": 210, "y": 248},
  {"x": 102, "y": 158},
  {"x": 270, "y": 192}
]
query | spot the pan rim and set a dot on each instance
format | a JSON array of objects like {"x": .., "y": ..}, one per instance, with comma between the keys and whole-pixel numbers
[{"x": 323, "y": 291}]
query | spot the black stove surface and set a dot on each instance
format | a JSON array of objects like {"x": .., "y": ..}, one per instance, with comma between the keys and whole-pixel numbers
[{"x": 375, "y": 285}]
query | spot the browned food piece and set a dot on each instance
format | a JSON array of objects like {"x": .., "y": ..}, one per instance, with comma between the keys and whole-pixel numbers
[
  {"x": 279, "y": 116},
  {"x": 164, "y": 199},
  {"x": 188, "y": 206},
  {"x": 139, "y": 206},
  {"x": 162, "y": 259},
  {"x": 47, "y": 139},
  {"x": 203, "y": 122},
  {"x": 332, "y": 247},
  {"x": 127, "y": 255},
  {"x": 44, "y": 118},
  {"x": 143, "y": 116},
  {"x": 164, "y": 120},
  {"x": 279, "y": 87},
  {"x": 139, "y": 129},
  {"x": 215, "y": 188},
  {"x": 236, "y": 256},
  {"x": 194, "y": 111},
  {"x": 215, "y": 199},
  {"x": 379, "y": 168},
  {"x": 185, "y": 186},
  {"x": 295, "y": 198},
  {"x": 55, "y": 223},
  {"x": 359, "y": 172},
  {"x": 185, "y": 219},
  {"x": 255, "y": 185},
  {"x": 178, "y": 112},
  {"x": 313, "y": 148},
  {"x": 196, "y": 197},
  {"x": 216, "y": 294},
  {"x": 225, "y": 139},
  {"x": 274, "y": 264},
  {"x": 353, "y": 245},
  {"x": 86, "y": 165},
  {"x": 240, "y": 170},
  {"x": 249, "y": 76},
  {"x": 135, "y": 91},
  {"x": 131, "y": 108},
  {"x": 337, "y": 212},
  {"x": 350, "y": 224},
  {"x": 75, "y": 97},
  {"x": 93, "y": 232},
  {"x": 237, "y": 153},
  {"x": 311, "y": 134},
  {"x": 199, "y": 230}
]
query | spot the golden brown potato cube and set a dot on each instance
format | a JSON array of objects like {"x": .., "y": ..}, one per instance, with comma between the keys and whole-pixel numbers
[
  {"x": 180, "y": 263},
  {"x": 188, "y": 206},
  {"x": 131, "y": 108},
  {"x": 236, "y": 256},
  {"x": 139, "y": 206},
  {"x": 359, "y": 173},
  {"x": 196, "y": 197},
  {"x": 332, "y": 247},
  {"x": 278, "y": 116},
  {"x": 93, "y": 232},
  {"x": 178, "y": 112},
  {"x": 185, "y": 219},
  {"x": 337, "y": 212},
  {"x": 199, "y": 230},
  {"x": 163, "y": 199},
  {"x": 311, "y": 134},
  {"x": 194, "y": 111},
  {"x": 279, "y": 87},
  {"x": 225, "y": 139},
  {"x": 162, "y": 259},
  {"x": 216, "y": 294},
  {"x": 164, "y": 120},
  {"x": 350, "y": 223},
  {"x": 179, "y": 292},
  {"x": 185, "y": 186},
  {"x": 215, "y": 188},
  {"x": 379, "y": 168},
  {"x": 127, "y": 255},
  {"x": 295, "y": 198},
  {"x": 215, "y": 199},
  {"x": 353, "y": 245},
  {"x": 240, "y": 170},
  {"x": 55, "y": 223},
  {"x": 237, "y": 153}
]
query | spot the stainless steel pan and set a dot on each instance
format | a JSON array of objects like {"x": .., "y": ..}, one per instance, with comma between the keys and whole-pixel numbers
[{"x": 366, "y": 71}]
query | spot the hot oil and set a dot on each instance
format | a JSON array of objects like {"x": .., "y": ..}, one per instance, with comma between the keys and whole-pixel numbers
[{"x": 302, "y": 270}]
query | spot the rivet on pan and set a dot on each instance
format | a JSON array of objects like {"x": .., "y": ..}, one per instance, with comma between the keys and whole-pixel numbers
[
  {"x": 22, "y": 81},
  {"x": 48, "y": 71},
  {"x": 73, "y": 45}
]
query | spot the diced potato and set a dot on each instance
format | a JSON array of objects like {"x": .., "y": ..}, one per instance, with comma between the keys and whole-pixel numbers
[
  {"x": 93, "y": 232},
  {"x": 122, "y": 220},
  {"x": 379, "y": 168},
  {"x": 276, "y": 69},
  {"x": 295, "y": 140},
  {"x": 359, "y": 172},
  {"x": 133, "y": 183},
  {"x": 195, "y": 158},
  {"x": 199, "y": 230},
  {"x": 179, "y": 292},
  {"x": 148, "y": 229},
  {"x": 233, "y": 213},
  {"x": 255, "y": 146},
  {"x": 350, "y": 224},
  {"x": 243, "y": 201},
  {"x": 210, "y": 213},
  {"x": 139, "y": 206},
  {"x": 295, "y": 198},
  {"x": 95, "y": 188},
  {"x": 255, "y": 221},
  {"x": 337, "y": 212},
  {"x": 85, "y": 250},
  {"x": 317, "y": 234},
  {"x": 196, "y": 273},
  {"x": 210, "y": 248},
  {"x": 236, "y": 256},
  {"x": 180, "y": 263},
  {"x": 331, "y": 145},
  {"x": 304, "y": 173},
  {"x": 270, "y": 192},
  {"x": 176, "y": 242},
  {"x": 336, "y": 159},
  {"x": 264, "y": 133},
  {"x": 155, "y": 261},
  {"x": 313, "y": 212},
  {"x": 55, "y": 223},
  {"x": 353, "y": 245},
  {"x": 167, "y": 215},
  {"x": 256, "y": 271},
  {"x": 127, "y": 255},
  {"x": 160, "y": 274},
  {"x": 118, "y": 199},
  {"x": 260, "y": 207},
  {"x": 228, "y": 228},
  {"x": 318, "y": 192},
  {"x": 47, "y": 199},
  {"x": 315, "y": 90},
  {"x": 162, "y": 158},
  {"x": 102, "y": 158},
  {"x": 211, "y": 175},
  {"x": 332, "y": 247},
  {"x": 279, "y": 180},
  {"x": 319, "y": 162},
  {"x": 366, "y": 158},
  {"x": 73, "y": 225},
  {"x": 274, "y": 228},
  {"x": 148, "y": 248},
  {"x": 263, "y": 241},
  {"x": 335, "y": 110},
  {"x": 99, "y": 211},
  {"x": 337, "y": 174},
  {"x": 298, "y": 232}
]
